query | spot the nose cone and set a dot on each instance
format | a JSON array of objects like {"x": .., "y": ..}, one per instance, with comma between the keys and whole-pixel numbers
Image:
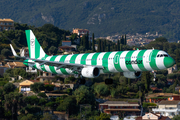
[{"x": 169, "y": 62}]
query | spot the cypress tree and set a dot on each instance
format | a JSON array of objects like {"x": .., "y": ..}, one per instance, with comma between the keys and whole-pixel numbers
[
  {"x": 93, "y": 47},
  {"x": 102, "y": 46},
  {"x": 99, "y": 45},
  {"x": 125, "y": 41},
  {"x": 118, "y": 45},
  {"x": 87, "y": 41},
  {"x": 122, "y": 40}
]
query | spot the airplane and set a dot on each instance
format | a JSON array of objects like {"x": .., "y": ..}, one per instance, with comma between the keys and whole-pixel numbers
[{"x": 91, "y": 65}]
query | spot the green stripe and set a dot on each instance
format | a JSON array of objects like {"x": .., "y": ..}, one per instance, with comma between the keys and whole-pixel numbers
[
  {"x": 73, "y": 58},
  {"x": 83, "y": 59},
  {"x": 94, "y": 59},
  {"x": 153, "y": 60},
  {"x": 62, "y": 60},
  {"x": 37, "y": 49},
  {"x": 28, "y": 41},
  {"x": 52, "y": 67},
  {"x": 128, "y": 58},
  {"x": 116, "y": 59},
  {"x": 105, "y": 62},
  {"x": 141, "y": 66}
]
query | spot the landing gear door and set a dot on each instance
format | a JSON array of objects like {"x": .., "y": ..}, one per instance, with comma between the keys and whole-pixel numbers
[{"x": 148, "y": 57}]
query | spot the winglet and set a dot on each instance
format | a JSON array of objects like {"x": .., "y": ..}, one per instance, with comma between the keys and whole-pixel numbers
[{"x": 13, "y": 51}]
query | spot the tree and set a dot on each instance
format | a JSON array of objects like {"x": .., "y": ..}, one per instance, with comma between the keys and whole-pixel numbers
[
  {"x": 43, "y": 95},
  {"x": 118, "y": 45},
  {"x": 32, "y": 100},
  {"x": 176, "y": 117},
  {"x": 47, "y": 116},
  {"x": 69, "y": 105},
  {"x": 101, "y": 90},
  {"x": 13, "y": 103},
  {"x": 161, "y": 39},
  {"x": 93, "y": 46},
  {"x": 6, "y": 52},
  {"x": 99, "y": 45},
  {"x": 103, "y": 116},
  {"x": 37, "y": 87},
  {"x": 52, "y": 50},
  {"x": 84, "y": 95},
  {"x": 49, "y": 87},
  {"x": 9, "y": 87}
]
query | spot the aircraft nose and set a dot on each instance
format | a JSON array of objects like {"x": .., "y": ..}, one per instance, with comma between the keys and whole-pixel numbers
[{"x": 169, "y": 62}]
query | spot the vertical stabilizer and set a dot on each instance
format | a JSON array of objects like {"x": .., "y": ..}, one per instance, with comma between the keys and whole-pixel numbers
[{"x": 35, "y": 50}]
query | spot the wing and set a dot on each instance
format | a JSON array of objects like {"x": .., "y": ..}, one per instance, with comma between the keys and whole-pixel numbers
[{"x": 53, "y": 63}]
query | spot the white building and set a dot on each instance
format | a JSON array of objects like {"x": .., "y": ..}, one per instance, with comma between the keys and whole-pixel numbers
[{"x": 168, "y": 108}]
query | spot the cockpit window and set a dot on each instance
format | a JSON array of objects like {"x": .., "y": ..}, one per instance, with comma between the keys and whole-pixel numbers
[
  {"x": 162, "y": 55},
  {"x": 165, "y": 55}
]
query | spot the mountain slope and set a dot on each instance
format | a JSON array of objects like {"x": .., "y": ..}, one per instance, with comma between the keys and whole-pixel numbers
[{"x": 103, "y": 17}]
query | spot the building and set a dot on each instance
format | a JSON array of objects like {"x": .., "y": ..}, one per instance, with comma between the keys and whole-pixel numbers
[
  {"x": 119, "y": 107},
  {"x": 153, "y": 116},
  {"x": 171, "y": 69},
  {"x": 66, "y": 43},
  {"x": 67, "y": 49},
  {"x": 168, "y": 108},
  {"x": 80, "y": 32},
  {"x": 24, "y": 52},
  {"x": 157, "y": 97},
  {"x": 45, "y": 77},
  {"x": 6, "y": 24},
  {"x": 25, "y": 85}
]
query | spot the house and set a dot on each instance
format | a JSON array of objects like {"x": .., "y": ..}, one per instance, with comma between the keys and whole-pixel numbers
[
  {"x": 171, "y": 69},
  {"x": 15, "y": 65},
  {"x": 153, "y": 116},
  {"x": 24, "y": 52},
  {"x": 6, "y": 24},
  {"x": 59, "y": 86},
  {"x": 170, "y": 81},
  {"x": 156, "y": 90},
  {"x": 120, "y": 108},
  {"x": 66, "y": 43},
  {"x": 80, "y": 32},
  {"x": 157, "y": 97},
  {"x": 177, "y": 89},
  {"x": 25, "y": 85},
  {"x": 45, "y": 77},
  {"x": 67, "y": 49},
  {"x": 3, "y": 70},
  {"x": 168, "y": 108}
]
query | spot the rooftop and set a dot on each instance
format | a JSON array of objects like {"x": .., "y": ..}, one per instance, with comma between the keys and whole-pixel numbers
[{"x": 166, "y": 102}]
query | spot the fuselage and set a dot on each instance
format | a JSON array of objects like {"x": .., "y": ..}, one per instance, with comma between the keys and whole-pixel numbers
[{"x": 118, "y": 61}]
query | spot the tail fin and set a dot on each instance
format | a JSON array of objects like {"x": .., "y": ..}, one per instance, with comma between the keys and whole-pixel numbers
[{"x": 35, "y": 50}]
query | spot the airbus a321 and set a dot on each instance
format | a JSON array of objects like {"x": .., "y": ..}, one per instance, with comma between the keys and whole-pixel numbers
[{"x": 91, "y": 65}]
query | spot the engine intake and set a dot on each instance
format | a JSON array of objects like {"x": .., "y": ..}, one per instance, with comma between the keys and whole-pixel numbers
[
  {"x": 132, "y": 75},
  {"x": 90, "y": 72}
]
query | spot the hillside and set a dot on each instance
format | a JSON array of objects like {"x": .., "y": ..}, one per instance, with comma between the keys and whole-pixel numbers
[{"x": 103, "y": 17}]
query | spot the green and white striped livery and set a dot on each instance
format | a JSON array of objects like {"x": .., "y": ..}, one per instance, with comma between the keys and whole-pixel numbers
[{"x": 90, "y": 65}]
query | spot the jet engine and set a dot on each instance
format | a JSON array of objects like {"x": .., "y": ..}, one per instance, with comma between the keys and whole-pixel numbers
[
  {"x": 132, "y": 75},
  {"x": 90, "y": 72}
]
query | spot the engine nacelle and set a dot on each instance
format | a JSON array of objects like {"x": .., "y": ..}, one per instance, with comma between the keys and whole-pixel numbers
[
  {"x": 90, "y": 72},
  {"x": 132, "y": 75}
]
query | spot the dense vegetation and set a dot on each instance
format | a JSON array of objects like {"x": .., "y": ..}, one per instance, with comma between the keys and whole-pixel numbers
[{"x": 102, "y": 17}]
